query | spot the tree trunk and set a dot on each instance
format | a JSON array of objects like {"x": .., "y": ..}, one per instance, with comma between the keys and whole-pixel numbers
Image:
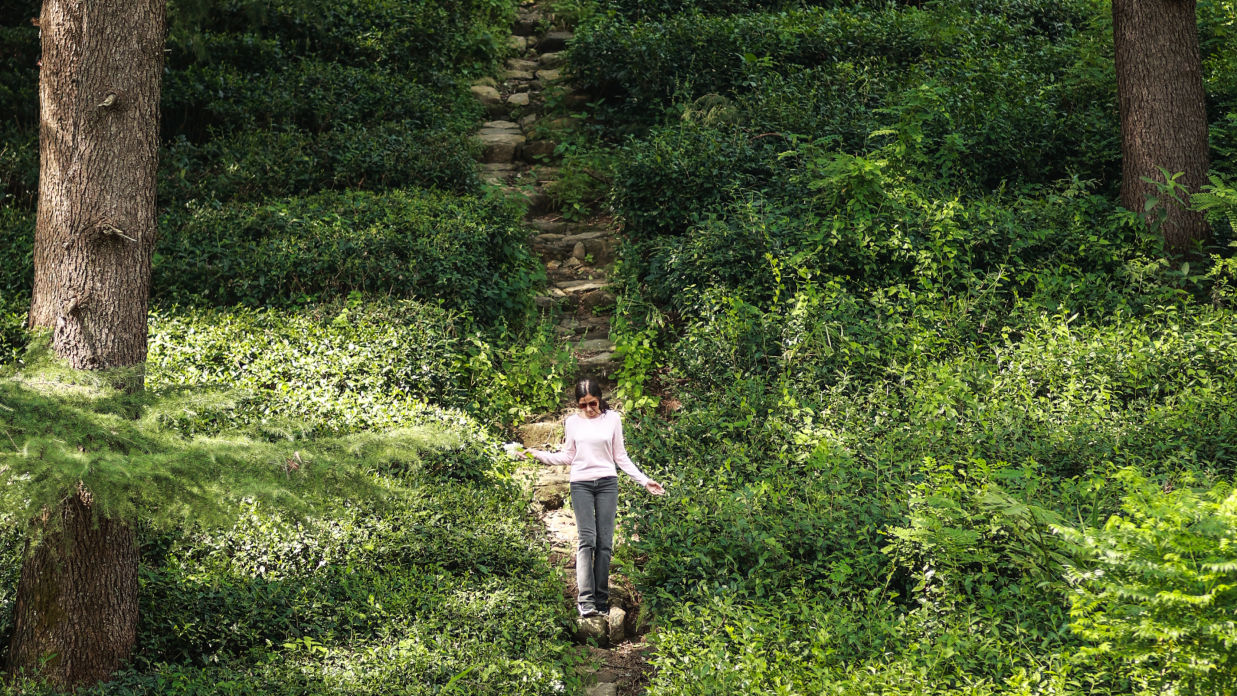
[
  {"x": 76, "y": 611},
  {"x": 75, "y": 616},
  {"x": 98, "y": 143},
  {"x": 1163, "y": 113}
]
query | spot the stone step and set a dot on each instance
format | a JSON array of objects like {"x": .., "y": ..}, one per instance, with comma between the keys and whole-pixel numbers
[
  {"x": 595, "y": 345},
  {"x": 530, "y": 66},
  {"x": 538, "y": 151},
  {"x": 601, "y": 365},
  {"x": 541, "y": 435},
  {"x": 583, "y": 328},
  {"x": 576, "y": 287},
  {"x": 498, "y": 146},
  {"x": 553, "y": 41},
  {"x": 550, "y": 61}
]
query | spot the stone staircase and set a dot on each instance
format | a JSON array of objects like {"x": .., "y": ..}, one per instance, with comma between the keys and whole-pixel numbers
[{"x": 529, "y": 105}]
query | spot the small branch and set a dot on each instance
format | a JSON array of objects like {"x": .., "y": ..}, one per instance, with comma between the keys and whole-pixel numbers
[{"x": 108, "y": 228}]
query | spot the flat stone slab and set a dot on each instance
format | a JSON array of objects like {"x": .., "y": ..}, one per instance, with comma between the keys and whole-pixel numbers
[
  {"x": 549, "y": 75},
  {"x": 541, "y": 435},
  {"x": 525, "y": 65},
  {"x": 517, "y": 75},
  {"x": 599, "y": 359},
  {"x": 575, "y": 286},
  {"x": 596, "y": 345},
  {"x": 555, "y": 227},
  {"x": 498, "y": 146},
  {"x": 519, "y": 99},
  {"x": 501, "y": 125},
  {"x": 602, "y": 689},
  {"x": 485, "y": 94},
  {"x": 554, "y": 41},
  {"x": 550, "y": 61}
]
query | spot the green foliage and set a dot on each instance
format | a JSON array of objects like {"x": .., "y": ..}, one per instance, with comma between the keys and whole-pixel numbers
[
  {"x": 467, "y": 253},
  {"x": 353, "y": 366},
  {"x": 1157, "y": 585},
  {"x": 69, "y": 428}
]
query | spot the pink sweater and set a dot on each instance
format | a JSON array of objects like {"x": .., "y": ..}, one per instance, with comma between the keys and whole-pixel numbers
[{"x": 592, "y": 446}]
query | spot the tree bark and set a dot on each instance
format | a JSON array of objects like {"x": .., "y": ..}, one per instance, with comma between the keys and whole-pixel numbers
[
  {"x": 1163, "y": 112},
  {"x": 75, "y": 618},
  {"x": 76, "y": 611},
  {"x": 102, "y": 62}
]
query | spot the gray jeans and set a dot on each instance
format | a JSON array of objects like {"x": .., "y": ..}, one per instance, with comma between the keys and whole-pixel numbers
[{"x": 594, "y": 504}]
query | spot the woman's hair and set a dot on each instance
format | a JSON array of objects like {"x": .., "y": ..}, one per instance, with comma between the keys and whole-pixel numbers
[{"x": 589, "y": 386}]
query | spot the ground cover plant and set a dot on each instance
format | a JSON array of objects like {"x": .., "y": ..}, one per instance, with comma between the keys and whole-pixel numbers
[{"x": 937, "y": 401}]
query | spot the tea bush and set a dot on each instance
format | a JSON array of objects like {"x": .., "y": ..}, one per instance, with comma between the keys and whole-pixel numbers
[
  {"x": 468, "y": 253},
  {"x": 257, "y": 165},
  {"x": 364, "y": 363}
]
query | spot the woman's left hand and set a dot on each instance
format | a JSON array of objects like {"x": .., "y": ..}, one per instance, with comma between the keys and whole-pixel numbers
[{"x": 654, "y": 488}]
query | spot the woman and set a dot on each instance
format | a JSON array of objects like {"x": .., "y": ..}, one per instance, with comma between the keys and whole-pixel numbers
[{"x": 593, "y": 446}]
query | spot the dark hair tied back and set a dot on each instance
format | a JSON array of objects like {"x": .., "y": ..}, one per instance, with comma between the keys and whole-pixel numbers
[{"x": 589, "y": 386}]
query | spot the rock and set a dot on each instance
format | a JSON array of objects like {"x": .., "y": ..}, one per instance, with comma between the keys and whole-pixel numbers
[
  {"x": 526, "y": 24},
  {"x": 517, "y": 43},
  {"x": 498, "y": 145},
  {"x": 552, "y": 265},
  {"x": 578, "y": 251},
  {"x": 520, "y": 99},
  {"x": 501, "y": 125},
  {"x": 596, "y": 345},
  {"x": 550, "y": 61},
  {"x": 537, "y": 150},
  {"x": 572, "y": 262},
  {"x": 486, "y": 82},
  {"x": 524, "y": 65},
  {"x": 541, "y": 435},
  {"x": 554, "y": 41},
  {"x": 595, "y": 629},
  {"x": 517, "y": 75},
  {"x": 528, "y": 121},
  {"x": 486, "y": 94},
  {"x": 555, "y": 227},
  {"x": 551, "y": 496},
  {"x": 548, "y": 76},
  {"x": 602, "y": 689},
  {"x": 581, "y": 286},
  {"x": 596, "y": 299},
  {"x": 617, "y": 632}
]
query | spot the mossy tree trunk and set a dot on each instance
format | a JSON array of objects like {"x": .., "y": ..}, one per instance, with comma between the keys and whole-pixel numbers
[
  {"x": 1163, "y": 112},
  {"x": 76, "y": 610},
  {"x": 102, "y": 61}
]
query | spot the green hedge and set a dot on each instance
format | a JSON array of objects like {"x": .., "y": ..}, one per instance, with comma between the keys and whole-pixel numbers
[
  {"x": 251, "y": 166},
  {"x": 466, "y": 253},
  {"x": 309, "y": 94}
]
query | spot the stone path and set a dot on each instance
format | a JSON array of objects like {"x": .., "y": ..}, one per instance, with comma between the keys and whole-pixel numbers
[{"x": 518, "y": 154}]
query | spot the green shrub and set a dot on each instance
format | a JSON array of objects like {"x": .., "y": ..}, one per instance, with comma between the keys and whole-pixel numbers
[
  {"x": 1155, "y": 587},
  {"x": 256, "y": 165},
  {"x": 640, "y": 66},
  {"x": 307, "y": 94},
  {"x": 469, "y": 254}
]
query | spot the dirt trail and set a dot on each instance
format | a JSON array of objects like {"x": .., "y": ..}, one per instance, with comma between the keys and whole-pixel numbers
[{"x": 518, "y": 154}]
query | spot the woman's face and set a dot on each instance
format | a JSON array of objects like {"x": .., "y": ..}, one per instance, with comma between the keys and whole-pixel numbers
[{"x": 590, "y": 406}]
